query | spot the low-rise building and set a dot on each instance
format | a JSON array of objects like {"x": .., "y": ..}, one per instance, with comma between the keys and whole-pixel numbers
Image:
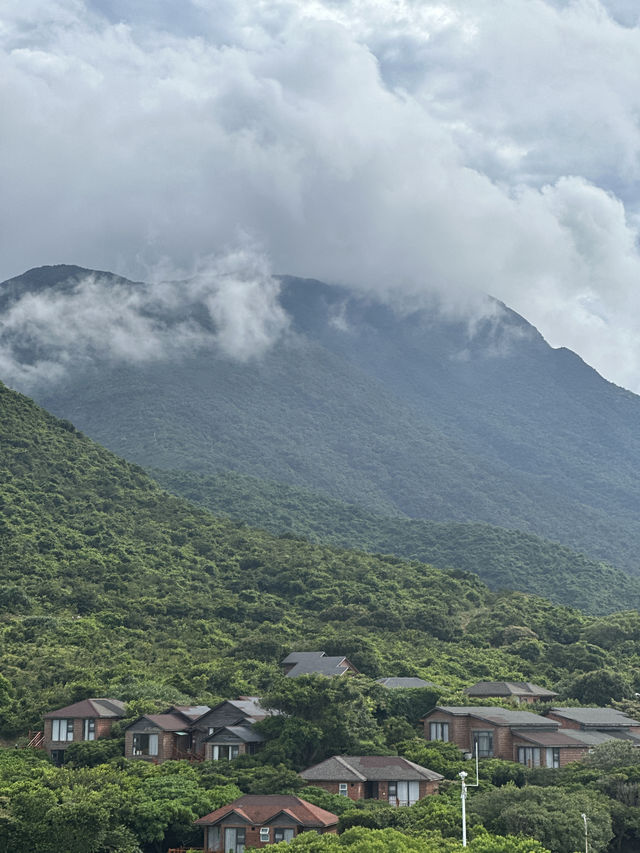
[
  {"x": 257, "y": 820},
  {"x": 391, "y": 778},
  {"x": 86, "y": 720}
]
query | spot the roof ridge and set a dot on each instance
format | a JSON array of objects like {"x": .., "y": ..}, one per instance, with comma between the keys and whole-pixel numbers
[{"x": 350, "y": 767}]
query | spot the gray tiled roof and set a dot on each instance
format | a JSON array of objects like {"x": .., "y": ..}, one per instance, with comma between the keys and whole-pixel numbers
[
  {"x": 372, "y": 768},
  {"x": 507, "y": 688},
  {"x": 398, "y": 681},
  {"x": 308, "y": 663},
  {"x": 244, "y": 733},
  {"x": 191, "y": 711},
  {"x": 562, "y": 737},
  {"x": 497, "y": 716},
  {"x": 598, "y": 718}
]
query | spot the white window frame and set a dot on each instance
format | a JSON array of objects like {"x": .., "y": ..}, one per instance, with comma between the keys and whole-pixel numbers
[
  {"x": 89, "y": 728},
  {"x": 343, "y": 789},
  {"x": 62, "y": 730},
  {"x": 552, "y": 757},
  {"x": 265, "y": 834}
]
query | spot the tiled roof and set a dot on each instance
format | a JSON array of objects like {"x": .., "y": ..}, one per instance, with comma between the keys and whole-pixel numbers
[
  {"x": 307, "y": 663},
  {"x": 372, "y": 768},
  {"x": 507, "y": 688},
  {"x": 243, "y": 733},
  {"x": 261, "y": 809},
  {"x": 563, "y": 737},
  {"x": 598, "y": 718},
  {"x": 400, "y": 682},
  {"x": 191, "y": 711},
  {"x": 100, "y": 708},
  {"x": 167, "y": 722},
  {"x": 497, "y": 716},
  {"x": 249, "y": 706}
]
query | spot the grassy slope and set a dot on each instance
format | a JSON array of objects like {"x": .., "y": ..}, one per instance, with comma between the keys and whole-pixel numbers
[
  {"x": 504, "y": 559},
  {"x": 110, "y": 586}
]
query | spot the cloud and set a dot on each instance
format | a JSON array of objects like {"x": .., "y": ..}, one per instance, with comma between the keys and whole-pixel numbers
[
  {"x": 230, "y": 305},
  {"x": 405, "y": 148}
]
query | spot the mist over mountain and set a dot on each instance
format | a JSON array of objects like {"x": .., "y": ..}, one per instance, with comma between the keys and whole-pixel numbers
[{"x": 404, "y": 413}]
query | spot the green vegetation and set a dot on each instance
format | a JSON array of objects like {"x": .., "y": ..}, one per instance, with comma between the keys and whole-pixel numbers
[
  {"x": 402, "y": 414},
  {"x": 504, "y": 559},
  {"x": 110, "y": 586},
  {"x": 113, "y": 587}
]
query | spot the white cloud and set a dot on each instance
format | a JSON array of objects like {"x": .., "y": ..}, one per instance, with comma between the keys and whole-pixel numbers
[
  {"x": 402, "y": 147},
  {"x": 229, "y": 304}
]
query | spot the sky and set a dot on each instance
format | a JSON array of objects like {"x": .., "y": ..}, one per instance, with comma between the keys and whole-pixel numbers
[{"x": 405, "y": 148}]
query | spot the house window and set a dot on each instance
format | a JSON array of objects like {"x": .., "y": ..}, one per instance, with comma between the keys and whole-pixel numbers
[
  {"x": 404, "y": 793},
  {"x": 281, "y": 833},
  {"x": 343, "y": 789},
  {"x": 552, "y": 758},
  {"x": 529, "y": 755},
  {"x": 439, "y": 731},
  {"x": 264, "y": 834},
  {"x": 484, "y": 743},
  {"x": 61, "y": 730},
  {"x": 211, "y": 730},
  {"x": 145, "y": 744},
  {"x": 222, "y": 752},
  {"x": 89, "y": 730},
  {"x": 234, "y": 839}
]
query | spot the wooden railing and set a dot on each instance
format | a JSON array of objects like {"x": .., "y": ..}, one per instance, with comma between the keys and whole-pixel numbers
[{"x": 36, "y": 740}]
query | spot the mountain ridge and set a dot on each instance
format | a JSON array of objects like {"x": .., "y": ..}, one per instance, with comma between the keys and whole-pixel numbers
[{"x": 403, "y": 415}]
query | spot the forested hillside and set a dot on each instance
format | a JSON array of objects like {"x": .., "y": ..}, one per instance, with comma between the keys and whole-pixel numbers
[
  {"x": 110, "y": 586},
  {"x": 504, "y": 559},
  {"x": 402, "y": 414}
]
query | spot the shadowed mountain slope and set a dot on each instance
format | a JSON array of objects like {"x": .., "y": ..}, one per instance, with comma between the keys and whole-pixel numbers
[{"x": 403, "y": 415}]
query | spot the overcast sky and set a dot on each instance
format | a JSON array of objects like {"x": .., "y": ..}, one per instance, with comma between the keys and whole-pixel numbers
[{"x": 398, "y": 146}]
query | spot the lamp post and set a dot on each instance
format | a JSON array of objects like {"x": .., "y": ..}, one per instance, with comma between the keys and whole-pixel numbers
[
  {"x": 463, "y": 797},
  {"x": 586, "y": 833}
]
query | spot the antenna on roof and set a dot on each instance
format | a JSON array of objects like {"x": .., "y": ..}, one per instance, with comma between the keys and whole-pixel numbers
[{"x": 463, "y": 796}]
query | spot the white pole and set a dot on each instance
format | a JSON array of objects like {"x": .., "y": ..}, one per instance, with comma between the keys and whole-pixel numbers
[
  {"x": 586, "y": 834},
  {"x": 463, "y": 797}
]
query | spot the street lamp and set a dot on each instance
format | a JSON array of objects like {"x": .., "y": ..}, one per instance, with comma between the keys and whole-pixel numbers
[
  {"x": 463, "y": 797},
  {"x": 586, "y": 833}
]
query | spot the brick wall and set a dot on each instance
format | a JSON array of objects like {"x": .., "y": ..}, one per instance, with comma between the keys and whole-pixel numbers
[
  {"x": 564, "y": 722},
  {"x": 103, "y": 728}
]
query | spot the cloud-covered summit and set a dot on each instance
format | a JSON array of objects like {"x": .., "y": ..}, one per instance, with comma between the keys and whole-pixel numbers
[{"x": 400, "y": 147}]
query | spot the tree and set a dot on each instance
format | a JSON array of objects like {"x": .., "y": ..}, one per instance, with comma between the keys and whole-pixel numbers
[{"x": 553, "y": 816}]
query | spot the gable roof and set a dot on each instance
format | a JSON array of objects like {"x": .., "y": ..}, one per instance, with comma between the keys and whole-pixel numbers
[
  {"x": 165, "y": 722},
  {"x": 190, "y": 711},
  {"x": 598, "y": 718},
  {"x": 497, "y": 716},
  {"x": 308, "y": 663},
  {"x": 244, "y": 733},
  {"x": 101, "y": 708},
  {"x": 406, "y": 683},
  {"x": 507, "y": 688},
  {"x": 259, "y": 809},
  {"x": 368, "y": 768}
]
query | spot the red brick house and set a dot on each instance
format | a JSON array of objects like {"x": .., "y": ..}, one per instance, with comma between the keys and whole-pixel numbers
[
  {"x": 86, "y": 720},
  {"x": 257, "y": 820},
  {"x": 391, "y": 778},
  {"x": 226, "y": 731},
  {"x": 520, "y": 692},
  {"x": 161, "y": 737},
  {"x": 606, "y": 720},
  {"x": 499, "y": 733}
]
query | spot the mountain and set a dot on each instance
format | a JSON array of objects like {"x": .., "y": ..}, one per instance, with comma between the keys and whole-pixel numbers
[
  {"x": 404, "y": 414},
  {"x": 503, "y": 559},
  {"x": 110, "y": 586}
]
